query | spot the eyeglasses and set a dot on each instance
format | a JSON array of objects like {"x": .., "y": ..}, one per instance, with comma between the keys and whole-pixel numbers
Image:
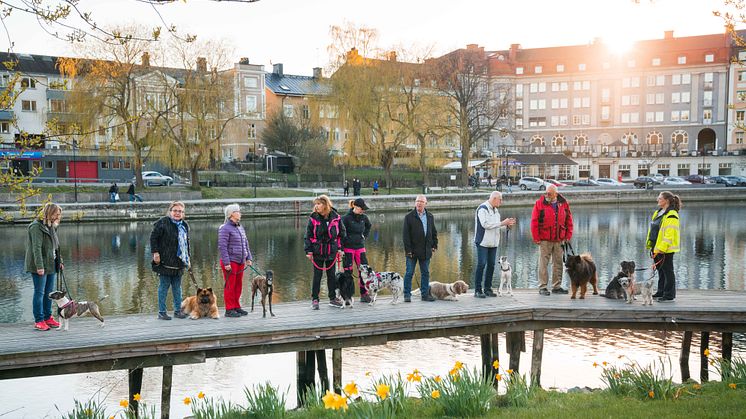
[{"x": 177, "y": 211}]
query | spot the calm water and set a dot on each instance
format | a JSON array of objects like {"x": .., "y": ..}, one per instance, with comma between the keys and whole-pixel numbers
[{"x": 114, "y": 259}]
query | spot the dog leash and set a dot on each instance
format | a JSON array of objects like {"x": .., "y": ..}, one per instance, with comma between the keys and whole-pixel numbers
[
  {"x": 326, "y": 268},
  {"x": 61, "y": 276},
  {"x": 194, "y": 281},
  {"x": 567, "y": 251}
]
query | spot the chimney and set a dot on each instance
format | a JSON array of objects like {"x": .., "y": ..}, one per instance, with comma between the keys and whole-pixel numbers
[
  {"x": 145, "y": 59},
  {"x": 277, "y": 69},
  {"x": 202, "y": 64},
  {"x": 243, "y": 60},
  {"x": 513, "y": 51},
  {"x": 471, "y": 47},
  {"x": 668, "y": 35},
  {"x": 317, "y": 72},
  {"x": 391, "y": 56}
]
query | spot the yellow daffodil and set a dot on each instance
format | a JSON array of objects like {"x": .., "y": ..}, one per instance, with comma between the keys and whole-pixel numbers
[
  {"x": 382, "y": 390},
  {"x": 498, "y": 377},
  {"x": 414, "y": 376},
  {"x": 351, "y": 389},
  {"x": 416, "y": 371},
  {"x": 509, "y": 371},
  {"x": 458, "y": 365},
  {"x": 437, "y": 379},
  {"x": 342, "y": 402},
  {"x": 707, "y": 352},
  {"x": 453, "y": 372},
  {"x": 89, "y": 412},
  {"x": 124, "y": 403},
  {"x": 604, "y": 363},
  {"x": 328, "y": 399},
  {"x": 595, "y": 364},
  {"x": 732, "y": 385},
  {"x": 368, "y": 373},
  {"x": 187, "y": 401},
  {"x": 136, "y": 397},
  {"x": 651, "y": 394},
  {"x": 111, "y": 417},
  {"x": 200, "y": 395},
  {"x": 617, "y": 376},
  {"x": 712, "y": 362},
  {"x": 696, "y": 386},
  {"x": 496, "y": 364},
  {"x": 435, "y": 394}
]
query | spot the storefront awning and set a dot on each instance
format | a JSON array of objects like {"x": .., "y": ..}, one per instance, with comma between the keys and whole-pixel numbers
[
  {"x": 456, "y": 165},
  {"x": 554, "y": 159},
  {"x": 21, "y": 155}
]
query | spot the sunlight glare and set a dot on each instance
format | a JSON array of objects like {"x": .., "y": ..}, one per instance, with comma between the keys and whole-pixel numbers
[{"x": 618, "y": 44}]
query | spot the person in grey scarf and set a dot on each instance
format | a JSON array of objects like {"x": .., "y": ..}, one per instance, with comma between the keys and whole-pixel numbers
[{"x": 43, "y": 261}]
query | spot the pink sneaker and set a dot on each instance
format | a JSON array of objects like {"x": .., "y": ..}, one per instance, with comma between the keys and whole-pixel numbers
[
  {"x": 41, "y": 326},
  {"x": 51, "y": 322}
]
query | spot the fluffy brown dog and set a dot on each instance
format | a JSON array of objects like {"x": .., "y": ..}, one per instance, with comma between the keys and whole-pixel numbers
[
  {"x": 448, "y": 291},
  {"x": 581, "y": 269},
  {"x": 204, "y": 304}
]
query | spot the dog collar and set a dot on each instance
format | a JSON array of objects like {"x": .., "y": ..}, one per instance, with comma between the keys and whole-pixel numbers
[{"x": 504, "y": 270}]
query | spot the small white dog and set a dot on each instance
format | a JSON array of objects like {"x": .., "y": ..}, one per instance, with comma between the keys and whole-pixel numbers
[
  {"x": 646, "y": 291},
  {"x": 506, "y": 277}
]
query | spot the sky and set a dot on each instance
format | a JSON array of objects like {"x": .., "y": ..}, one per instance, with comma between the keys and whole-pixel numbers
[{"x": 296, "y": 32}]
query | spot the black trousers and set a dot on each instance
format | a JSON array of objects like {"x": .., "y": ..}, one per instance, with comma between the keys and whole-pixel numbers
[
  {"x": 666, "y": 277},
  {"x": 331, "y": 281}
]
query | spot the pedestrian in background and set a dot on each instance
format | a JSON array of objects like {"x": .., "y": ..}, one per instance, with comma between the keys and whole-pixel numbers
[
  {"x": 235, "y": 255},
  {"x": 357, "y": 226},
  {"x": 43, "y": 262},
  {"x": 346, "y": 187},
  {"x": 132, "y": 195},
  {"x": 113, "y": 192},
  {"x": 375, "y": 187},
  {"x": 169, "y": 244},
  {"x": 663, "y": 241},
  {"x": 488, "y": 227},
  {"x": 420, "y": 242},
  {"x": 323, "y": 241}
]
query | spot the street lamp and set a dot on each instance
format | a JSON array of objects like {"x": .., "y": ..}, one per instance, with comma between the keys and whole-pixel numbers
[
  {"x": 256, "y": 155},
  {"x": 75, "y": 167}
]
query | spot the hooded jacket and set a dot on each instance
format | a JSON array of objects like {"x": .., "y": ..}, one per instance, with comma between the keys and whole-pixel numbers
[
  {"x": 324, "y": 235},
  {"x": 357, "y": 227},
  {"x": 550, "y": 225}
]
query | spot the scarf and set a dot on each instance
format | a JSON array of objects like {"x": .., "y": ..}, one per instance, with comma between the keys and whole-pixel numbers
[{"x": 183, "y": 251}]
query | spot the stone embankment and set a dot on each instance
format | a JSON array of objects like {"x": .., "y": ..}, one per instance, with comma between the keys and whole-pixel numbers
[{"x": 281, "y": 207}]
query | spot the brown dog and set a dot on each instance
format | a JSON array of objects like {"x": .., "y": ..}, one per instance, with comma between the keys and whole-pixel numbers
[
  {"x": 581, "y": 269},
  {"x": 448, "y": 291},
  {"x": 263, "y": 284},
  {"x": 204, "y": 304}
]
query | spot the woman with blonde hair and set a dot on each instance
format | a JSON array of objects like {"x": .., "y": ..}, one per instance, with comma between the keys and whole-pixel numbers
[
  {"x": 663, "y": 241},
  {"x": 43, "y": 261},
  {"x": 169, "y": 244},
  {"x": 323, "y": 240}
]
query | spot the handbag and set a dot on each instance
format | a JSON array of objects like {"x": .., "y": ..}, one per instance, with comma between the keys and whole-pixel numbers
[{"x": 116, "y": 196}]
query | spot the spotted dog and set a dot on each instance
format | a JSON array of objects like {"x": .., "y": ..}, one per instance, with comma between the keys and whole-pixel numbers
[
  {"x": 67, "y": 308},
  {"x": 376, "y": 281}
]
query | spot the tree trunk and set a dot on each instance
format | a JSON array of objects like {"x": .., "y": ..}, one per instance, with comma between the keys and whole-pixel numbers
[
  {"x": 138, "y": 169},
  {"x": 194, "y": 175},
  {"x": 465, "y": 151},
  {"x": 423, "y": 165}
]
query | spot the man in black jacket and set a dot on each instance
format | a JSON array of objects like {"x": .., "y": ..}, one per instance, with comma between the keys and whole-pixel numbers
[
  {"x": 169, "y": 243},
  {"x": 420, "y": 242}
]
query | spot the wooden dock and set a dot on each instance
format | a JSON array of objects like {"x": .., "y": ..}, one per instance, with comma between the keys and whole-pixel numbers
[{"x": 139, "y": 341}]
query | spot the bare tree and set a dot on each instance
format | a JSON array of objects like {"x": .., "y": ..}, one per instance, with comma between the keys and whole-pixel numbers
[{"x": 300, "y": 138}]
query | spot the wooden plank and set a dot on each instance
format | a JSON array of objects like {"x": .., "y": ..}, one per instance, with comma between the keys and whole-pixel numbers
[
  {"x": 686, "y": 347},
  {"x": 536, "y": 355}
]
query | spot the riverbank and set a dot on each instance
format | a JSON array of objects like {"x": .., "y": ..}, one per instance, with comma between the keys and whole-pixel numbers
[{"x": 301, "y": 206}]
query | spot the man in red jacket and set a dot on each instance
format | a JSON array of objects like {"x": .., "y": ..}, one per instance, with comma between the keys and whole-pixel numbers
[{"x": 551, "y": 225}]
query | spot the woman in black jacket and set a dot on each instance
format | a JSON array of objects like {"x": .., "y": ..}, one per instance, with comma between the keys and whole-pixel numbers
[
  {"x": 357, "y": 226},
  {"x": 169, "y": 243},
  {"x": 323, "y": 239}
]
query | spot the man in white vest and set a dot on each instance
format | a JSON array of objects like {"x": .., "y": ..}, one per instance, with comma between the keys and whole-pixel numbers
[{"x": 488, "y": 227}]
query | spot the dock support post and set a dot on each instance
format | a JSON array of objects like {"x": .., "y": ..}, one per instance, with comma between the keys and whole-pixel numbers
[
  {"x": 168, "y": 371},
  {"x": 727, "y": 351},
  {"x": 135, "y": 387},
  {"x": 486, "y": 344},
  {"x": 495, "y": 355},
  {"x": 306, "y": 365},
  {"x": 704, "y": 344},
  {"x": 516, "y": 343},
  {"x": 536, "y": 355},
  {"x": 686, "y": 347},
  {"x": 337, "y": 370},
  {"x": 323, "y": 371}
]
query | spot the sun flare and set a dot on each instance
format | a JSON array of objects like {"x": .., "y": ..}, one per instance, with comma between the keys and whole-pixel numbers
[{"x": 618, "y": 44}]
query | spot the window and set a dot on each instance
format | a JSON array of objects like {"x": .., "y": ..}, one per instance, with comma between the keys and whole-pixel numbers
[
  {"x": 555, "y": 121},
  {"x": 660, "y": 98},
  {"x": 555, "y": 87},
  {"x": 675, "y": 79},
  {"x": 57, "y": 105},
  {"x": 537, "y": 122},
  {"x": 675, "y": 97},
  {"x": 655, "y": 62},
  {"x": 707, "y": 116},
  {"x": 741, "y": 95},
  {"x": 681, "y": 59},
  {"x": 538, "y": 69},
  {"x": 250, "y": 103},
  {"x": 560, "y": 68},
  {"x": 250, "y": 82},
  {"x": 586, "y": 119},
  {"x": 28, "y": 83},
  {"x": 519, "y": 123},
  {"x": 679, "y": 137},
  {"x": 708, "y": 77},
  {"x": 660, "y": 80},
  {"x": 101, "y": 131},
  {"x": 654, "y": 137},
  {"x": 519, "y": 90},
  {"x": 685, "y": 97},
  {"x": 542, "y": 87},
  {"x": 518, "y": 105},
  {"x": 48, "y": 164},
  {"x": 4, "y": 127},
  {"x": 584, "y": 170},
  {"x": 4, "y": 79},
  {"x": 563, "y": 120},
  {"x": 674, "y": 116},
  {"x": 651, "y": 80},
  {"x": 581, "y": 67},
  {"x": 116, "y": 164},
  {"x": 709, "y": 58},
  {"x": 586, "y": 102},
  {"x": 684, "y": 115},
  {"x": 252, "y": 131},
  {"x": 519, "y": 70},
  {"x": 555, "y": 103},
  {"x": 605, "y": 113},
  {"x": 649, "y": 116},
  {"x": 288, "y": 110},
  {"x": 659, "y": 117},
  {"x": 558, "y": 140},
  {"x": 533, "y": 87},
  {"x": 306, "y": 112},
  {"x": 628, "y": 100},
  {"x": 580, "y": 140},
  {"x": 537, "y": 140},
  {"x": 742, "y": 76},
  {"x": 58, "y": 83},
  {"x": 28, "y": 105},
  {"x": 650, "y": 99},
  {"x": 740, "y": 116},
  {"x": 739, "y": 137},
  {"x": 605, "y": 95},
  {"x": 105, "y": 164},
  {"x": 576, "y": 102},
  {"x": 686, "y": 78},
  {"x": 576, "y": 119},
  {"x": 707, "y": 98}
]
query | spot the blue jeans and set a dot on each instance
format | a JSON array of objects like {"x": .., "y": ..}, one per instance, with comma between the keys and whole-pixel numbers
[
  {"x": 42, "y": 305},
  {"x": 485, "y": 258},
  {"x": 169, "y": 281},
  {"x": 112, "y": 197},
  {"x": 135, "y": 197},
  {"x": 424, "y": 273}
]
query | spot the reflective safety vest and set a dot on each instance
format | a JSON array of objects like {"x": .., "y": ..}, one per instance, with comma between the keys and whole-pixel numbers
[{"x": 668, "y": 236}]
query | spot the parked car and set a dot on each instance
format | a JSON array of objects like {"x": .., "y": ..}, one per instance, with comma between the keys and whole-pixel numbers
[
  {"x": 740, "y": 180},
  {"x": 606, "y": 181},
  {"x": 724, "y": 180},
  {"x": 657, "y": 176},
  {"x": 155, "y": 179},
  {"x": 673, "y": 180},
  {"x": 556, "y": 183},
  {"x": 586, "y": 182},
  {"x": 698, "y": 179},
  {"x": 532, "y": 183},
  {"x": 643, "y": 181}
]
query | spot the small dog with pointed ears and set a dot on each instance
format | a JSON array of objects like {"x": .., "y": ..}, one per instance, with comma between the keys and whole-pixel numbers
[
  {"x": 506, "y": 277},
  {"x": 67, "y": 308}
]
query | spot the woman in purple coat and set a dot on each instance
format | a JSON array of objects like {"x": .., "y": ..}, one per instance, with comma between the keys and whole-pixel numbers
[{"x": 234, "y": 255}]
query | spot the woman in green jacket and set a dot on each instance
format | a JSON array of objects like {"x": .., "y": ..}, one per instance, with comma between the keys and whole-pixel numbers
[
  {"x": 663, "y": 242},
  {"x": 43, "y": 261}
]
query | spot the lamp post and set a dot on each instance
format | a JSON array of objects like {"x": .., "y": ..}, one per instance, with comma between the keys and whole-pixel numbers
[
  {"x": 256, "y": 156},
  {"x": 75, "y": 167}
]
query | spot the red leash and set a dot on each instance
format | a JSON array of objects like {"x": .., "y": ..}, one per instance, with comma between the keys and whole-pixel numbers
[{"x": 336, "y": 259}]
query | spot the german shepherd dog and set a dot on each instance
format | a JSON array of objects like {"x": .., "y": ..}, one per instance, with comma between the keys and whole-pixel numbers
[
  {"x": 345, "y": 287},
  {"x": 204, "y": 304},
  {"x": 263, "y": 284},
  {"x": 581, "y": 269}
]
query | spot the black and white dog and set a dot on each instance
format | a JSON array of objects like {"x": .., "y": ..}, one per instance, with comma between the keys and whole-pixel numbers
[
  {"x": 345, "y": 287},
  {"x": 67, "y": 308},
  {"x": 376, "y": 281},
  {"x": 506, "y": 277}
]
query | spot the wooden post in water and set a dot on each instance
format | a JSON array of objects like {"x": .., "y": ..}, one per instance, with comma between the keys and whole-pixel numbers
[
  {"x": 495, "y": 355},
  {"x": 536, "y": 355},
  {"x": 704, "y": 345},
  {"x": 727, "y": 350},
  {"x": 686, "y": 347},
  {"x": 302, "y": 383},
  {"x": 323, "y": 371},
  {"x": 168, "y": 371},
  {"x": 134, "y": 379},
  {"x": 515, "y": 343},
  {"x": 486, "y": 345},
  {"x": 337, "y": 370}
]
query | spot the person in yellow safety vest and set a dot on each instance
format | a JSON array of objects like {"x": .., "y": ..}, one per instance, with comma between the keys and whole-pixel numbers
[{"x": 663, "y": 242}]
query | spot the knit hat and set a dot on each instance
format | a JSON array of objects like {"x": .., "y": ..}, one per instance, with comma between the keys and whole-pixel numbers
[{"x": 230, "y": 209}]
